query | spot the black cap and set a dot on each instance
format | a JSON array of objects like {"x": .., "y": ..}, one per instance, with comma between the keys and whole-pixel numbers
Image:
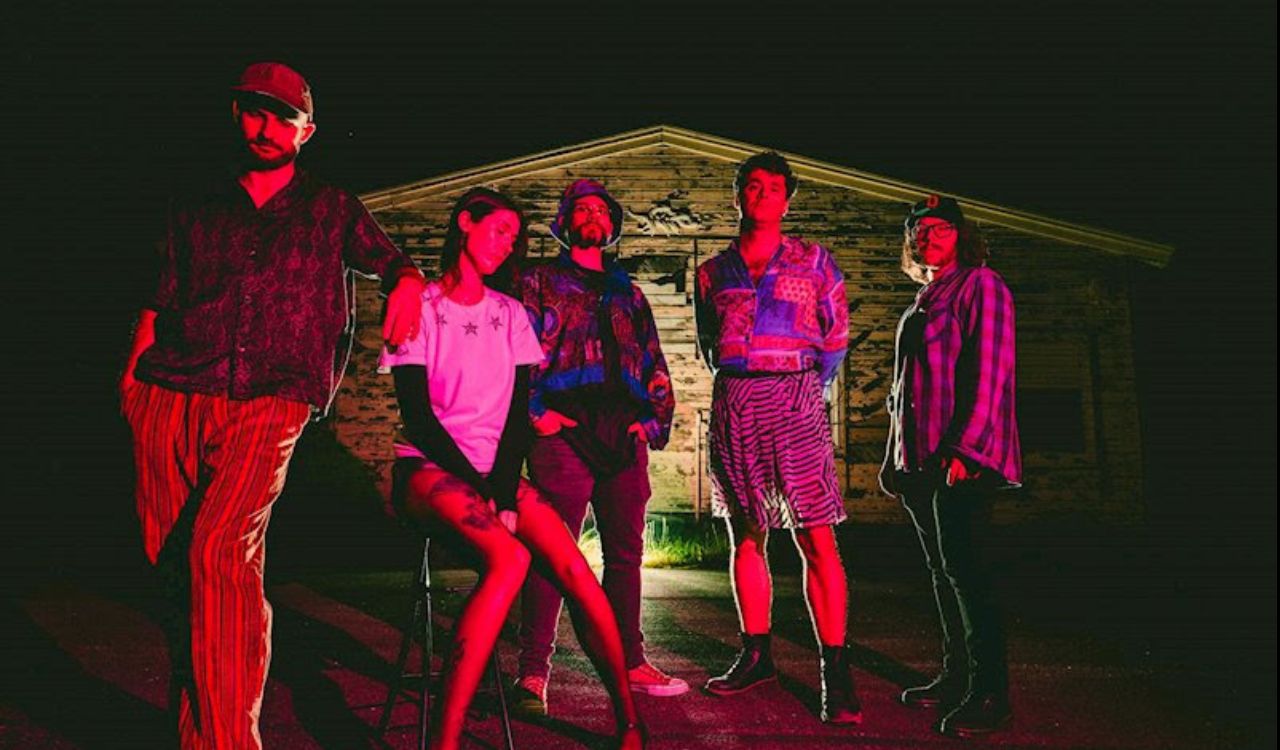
[{"x": 934, "y": 205}]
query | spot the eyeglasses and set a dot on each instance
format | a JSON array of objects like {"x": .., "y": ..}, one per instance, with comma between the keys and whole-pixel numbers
[
  {"x": 599, "y": 209},
  {"x": 920, "y": 231}
]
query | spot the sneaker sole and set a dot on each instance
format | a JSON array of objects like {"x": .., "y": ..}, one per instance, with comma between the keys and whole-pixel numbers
[
  {"x": 844, "y": 719},
  {"x": 753, "y": 685},
  {"x": 528, "y": 710},
  {"x": 661, "y": 691},
  {"x": 965, "y": 734}
]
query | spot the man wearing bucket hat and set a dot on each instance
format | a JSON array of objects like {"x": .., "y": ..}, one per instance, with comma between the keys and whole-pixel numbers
[
  {"x": 238, "y": 344},
  {"x": 601, "y": 399}
]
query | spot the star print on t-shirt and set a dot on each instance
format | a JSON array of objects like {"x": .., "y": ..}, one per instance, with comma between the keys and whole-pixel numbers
[
  {"x": 495, "y": 321},
  {"x": 441, "y": 319},
  {"x": 471, "y": 328}
]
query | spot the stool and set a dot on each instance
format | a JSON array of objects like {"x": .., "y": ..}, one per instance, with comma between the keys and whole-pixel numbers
[{"x": 421, "y": 618}]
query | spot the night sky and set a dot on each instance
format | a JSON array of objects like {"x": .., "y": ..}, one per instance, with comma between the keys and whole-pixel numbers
[{"x": 1155, "y": 119}]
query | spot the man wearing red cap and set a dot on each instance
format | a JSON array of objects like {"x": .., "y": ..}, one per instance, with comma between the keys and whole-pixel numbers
[
  {"x": 599, "y": 401},
  {"x": 237, "y": 346}
]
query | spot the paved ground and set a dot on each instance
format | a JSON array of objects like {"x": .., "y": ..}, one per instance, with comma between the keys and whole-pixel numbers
[{"x": 1102, "y": 657}]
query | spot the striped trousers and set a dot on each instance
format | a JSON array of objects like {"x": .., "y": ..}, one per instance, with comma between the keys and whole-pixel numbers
[{"x": 208, "y": 471}]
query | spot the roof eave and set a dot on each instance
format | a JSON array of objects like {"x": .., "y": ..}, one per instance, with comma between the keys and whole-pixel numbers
[{"x": 1152, "y": 253}]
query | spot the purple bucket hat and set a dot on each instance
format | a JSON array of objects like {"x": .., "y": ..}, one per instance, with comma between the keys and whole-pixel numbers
[{"x": 578, "y": 190}]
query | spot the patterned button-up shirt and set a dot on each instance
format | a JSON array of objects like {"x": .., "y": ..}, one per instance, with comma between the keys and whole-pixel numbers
[
  {"x": 253, "y": 301},
  {"x": 562, "y": 301},
  {"x": 954, "y": 377},
  {"x": 795, "y": 318}
]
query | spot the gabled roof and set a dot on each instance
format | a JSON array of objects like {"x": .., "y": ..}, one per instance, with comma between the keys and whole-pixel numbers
[{"x": 810, "y": 169}]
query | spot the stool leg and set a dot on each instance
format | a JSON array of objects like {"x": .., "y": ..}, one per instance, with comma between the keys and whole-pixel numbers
[
  {"x": 397, "y": 680},
  {"x": 428, "y": 649},
  {"x": 502, "y": 700}
]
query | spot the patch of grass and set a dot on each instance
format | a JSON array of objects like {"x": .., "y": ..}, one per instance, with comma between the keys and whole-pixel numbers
[{"x": 670, "y": 542}]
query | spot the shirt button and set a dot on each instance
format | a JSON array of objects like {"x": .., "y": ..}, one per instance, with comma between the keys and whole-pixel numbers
[
  {"x": 246, "y": 299},
  {"x": 240, "y": 349}
]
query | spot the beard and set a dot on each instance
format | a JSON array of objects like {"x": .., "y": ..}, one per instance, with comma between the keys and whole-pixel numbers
[
  {"x": 257, "y": 161},
  {"x": 590, "y": 234}
]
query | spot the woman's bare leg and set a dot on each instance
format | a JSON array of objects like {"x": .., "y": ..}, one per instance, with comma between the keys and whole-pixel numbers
[{"x": 437, "y": 496}]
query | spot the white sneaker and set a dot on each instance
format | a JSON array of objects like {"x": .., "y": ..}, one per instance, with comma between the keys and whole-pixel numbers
[
  {"x": 650, "y": 680},
  {"x": 530, "y": 699}
]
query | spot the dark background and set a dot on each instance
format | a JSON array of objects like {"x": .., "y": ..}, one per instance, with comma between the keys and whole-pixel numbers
[{"x": 1154, "y": 119}]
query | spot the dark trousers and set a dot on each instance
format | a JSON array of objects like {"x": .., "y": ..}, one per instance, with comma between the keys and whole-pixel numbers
[
  {"x": 619, "y": 503},
  {"x": 954, "y": 527}
]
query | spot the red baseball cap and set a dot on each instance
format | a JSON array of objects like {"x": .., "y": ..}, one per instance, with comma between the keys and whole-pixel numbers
[{"x": 280, "y": 82}]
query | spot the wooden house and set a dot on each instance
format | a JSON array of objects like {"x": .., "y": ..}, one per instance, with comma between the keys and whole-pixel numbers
[{"x": 1078, "y": 406}]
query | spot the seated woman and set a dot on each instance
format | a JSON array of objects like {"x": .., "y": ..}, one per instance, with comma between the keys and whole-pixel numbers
[{"x": 462, "y": 384}]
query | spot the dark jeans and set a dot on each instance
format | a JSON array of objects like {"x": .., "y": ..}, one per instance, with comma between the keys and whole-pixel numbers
[
  {"x": 619, "y": 502},
  {"x": 954, "y": 528}
]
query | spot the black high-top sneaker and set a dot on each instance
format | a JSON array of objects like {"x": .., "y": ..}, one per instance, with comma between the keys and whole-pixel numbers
[
  {"x": 981, "y": 712},
  {"x": 944, "y": 692},
  {"x": 754, "y": 666},
  {"x": 840, "y": 704}
]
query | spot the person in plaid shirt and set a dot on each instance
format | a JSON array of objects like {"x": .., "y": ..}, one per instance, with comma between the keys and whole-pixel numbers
[{"x": 953, "y": 440}]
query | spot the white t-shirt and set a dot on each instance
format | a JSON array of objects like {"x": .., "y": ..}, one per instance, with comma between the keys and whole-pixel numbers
[{"x": 471, "y": 353}]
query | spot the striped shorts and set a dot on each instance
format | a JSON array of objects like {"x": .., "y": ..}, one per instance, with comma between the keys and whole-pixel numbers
[{"x": 772, "y": 458}]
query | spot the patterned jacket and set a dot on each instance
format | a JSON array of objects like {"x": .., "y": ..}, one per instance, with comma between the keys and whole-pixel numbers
[
  {"x": 954, "y": 378},
  {"x": 795, "y": 318},
  {"x": 563, "y": 305}
]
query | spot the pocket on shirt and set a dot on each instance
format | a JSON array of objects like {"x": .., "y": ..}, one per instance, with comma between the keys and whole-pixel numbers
[{"x": 937, "y": 325}]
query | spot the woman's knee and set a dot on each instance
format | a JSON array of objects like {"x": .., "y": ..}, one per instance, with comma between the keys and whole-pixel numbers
[
  {"x": 460, "y": 508},
  {"x": 508, "y": 558},
  {"x": 506, "y": 566},
  {"x": 574, "y": 570}
]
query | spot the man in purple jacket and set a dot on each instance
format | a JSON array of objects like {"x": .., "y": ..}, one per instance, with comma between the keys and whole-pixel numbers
[
  {"x": 233, "y": 351},
  {"x": 598, "y": 403},
  {"x": 953, "y": 440}
]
